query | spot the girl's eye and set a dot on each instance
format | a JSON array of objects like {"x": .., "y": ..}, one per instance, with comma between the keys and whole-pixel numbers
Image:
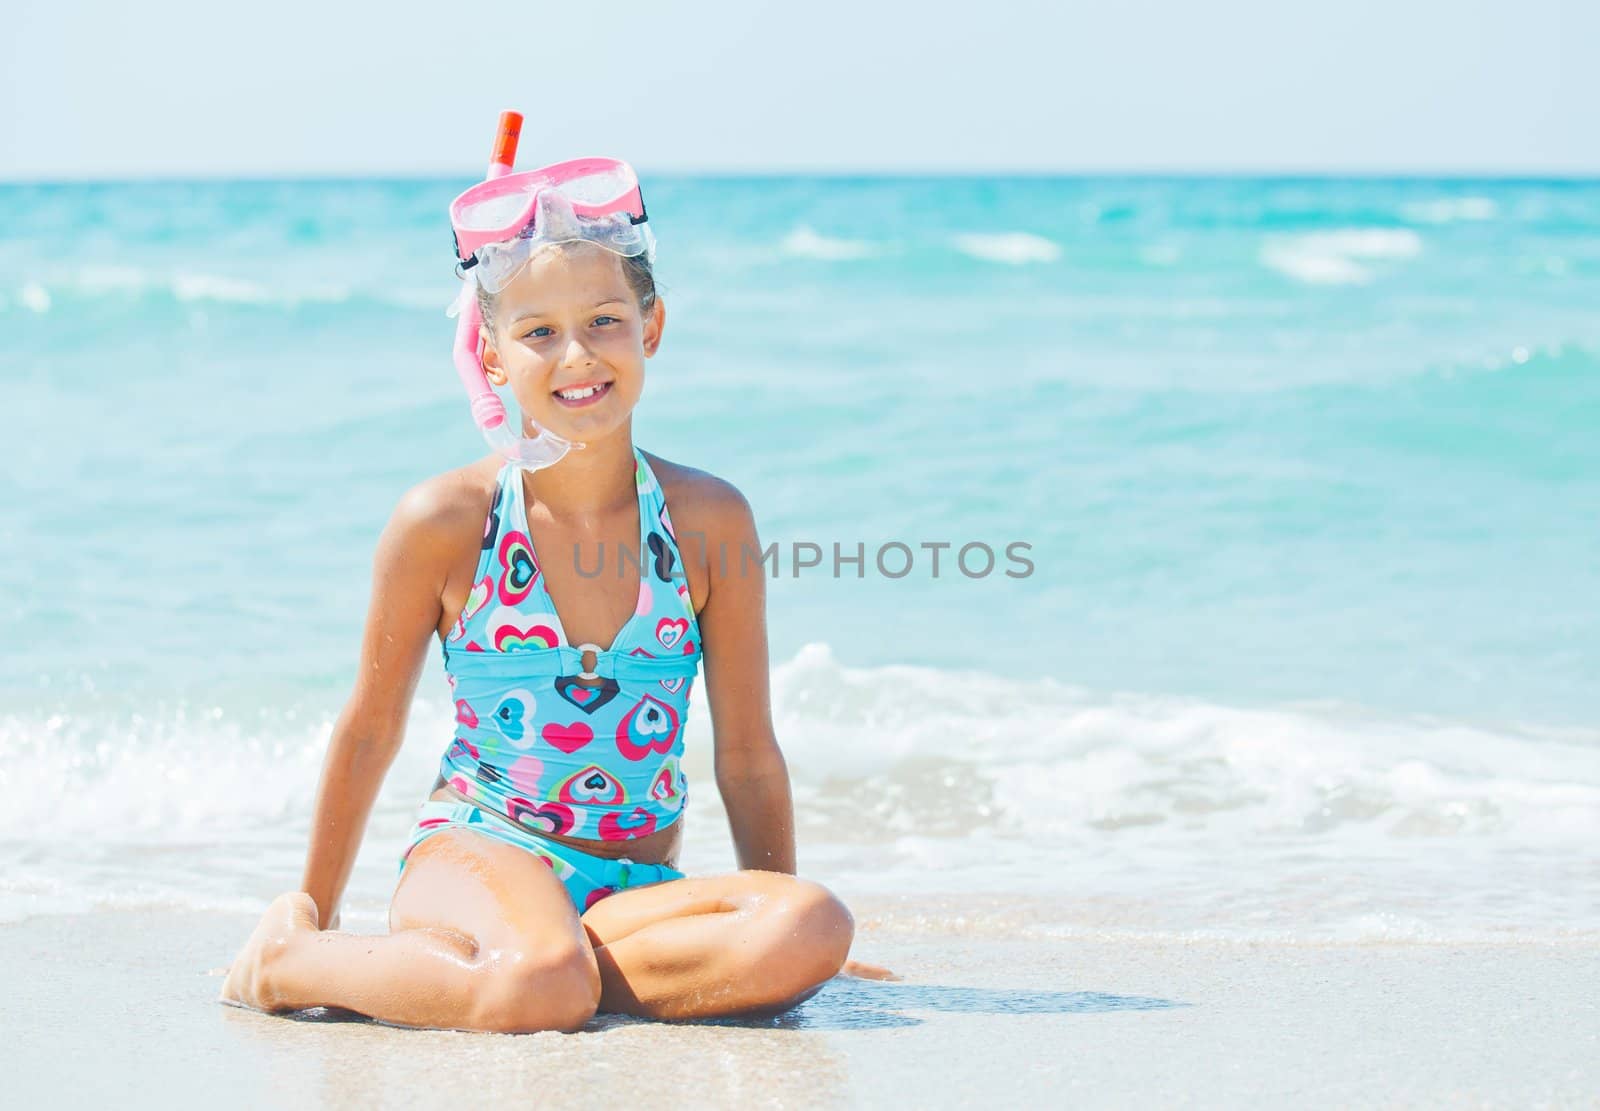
[
  {"x": 540, "y": 332},
  {"x": 605, "y": 320}
]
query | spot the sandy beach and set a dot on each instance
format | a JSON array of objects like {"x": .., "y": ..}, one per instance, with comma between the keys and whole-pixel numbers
[{"x": 118, "y": 1008}]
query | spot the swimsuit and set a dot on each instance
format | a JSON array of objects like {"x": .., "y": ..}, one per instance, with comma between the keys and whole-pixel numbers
[
  {"x": 588, "y": 878},
  {"x": 537, "y": 741}
]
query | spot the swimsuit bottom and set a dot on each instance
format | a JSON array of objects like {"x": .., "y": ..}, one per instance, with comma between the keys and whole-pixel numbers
[{"x": 588, "y": 878}]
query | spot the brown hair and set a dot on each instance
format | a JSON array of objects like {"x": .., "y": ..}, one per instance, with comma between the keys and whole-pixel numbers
[{"x": 636, "y": 270}]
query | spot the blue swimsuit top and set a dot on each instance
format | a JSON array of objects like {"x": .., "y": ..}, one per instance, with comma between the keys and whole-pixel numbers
[{"x": 539, "y": 739}]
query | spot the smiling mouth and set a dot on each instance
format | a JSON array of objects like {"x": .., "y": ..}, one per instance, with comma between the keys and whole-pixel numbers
[{"x": 582, "y": 395}]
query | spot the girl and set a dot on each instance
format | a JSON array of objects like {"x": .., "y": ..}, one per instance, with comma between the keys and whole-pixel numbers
[{"x": 539, "y": 882}]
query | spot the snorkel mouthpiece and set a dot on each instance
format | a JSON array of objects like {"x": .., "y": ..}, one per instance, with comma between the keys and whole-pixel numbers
[{"x": 488, "y": 411}]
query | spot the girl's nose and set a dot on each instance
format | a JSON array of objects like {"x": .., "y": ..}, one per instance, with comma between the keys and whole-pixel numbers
[{"x": 577, "y": 354}]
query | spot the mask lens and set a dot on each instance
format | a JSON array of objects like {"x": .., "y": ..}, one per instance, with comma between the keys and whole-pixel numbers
[
  {"x": 598, "y": 188},
  {"x": 494, "y": 213},
  {"x": 498, "y": 204}
]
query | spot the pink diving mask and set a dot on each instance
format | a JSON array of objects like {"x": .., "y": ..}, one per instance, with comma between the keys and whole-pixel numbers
[{"x": 499, "y": 225}]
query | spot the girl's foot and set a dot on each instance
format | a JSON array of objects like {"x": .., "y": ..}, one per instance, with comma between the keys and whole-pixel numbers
[
  {"x": 249, "y": 977},
  {"x": 863, "y": 971}
]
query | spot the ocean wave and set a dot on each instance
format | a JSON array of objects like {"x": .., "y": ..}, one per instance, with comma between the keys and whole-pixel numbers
[
  {"x": 184, "y": 772},
  {"x": 111, "y": 278},
  {"x": 34, "y": 297},
  {"x": 897, "y": 749},
  {"x": 1338, "y": 257},
  {"x": 902, "y": 748},
  {"x": 804, "y": 242},
  {"x": 1014, "y": 248},
  {"x": 1447, "y": 210},
  {"x": 229, "y": 290},
  {"x": 212, "y": 287},
  {"x": 1320, "y": 821},
  {"x": 185, "y": 287}
]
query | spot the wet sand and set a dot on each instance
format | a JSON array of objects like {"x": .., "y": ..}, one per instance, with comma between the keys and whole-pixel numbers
[{"x": 117, "y": 1007}]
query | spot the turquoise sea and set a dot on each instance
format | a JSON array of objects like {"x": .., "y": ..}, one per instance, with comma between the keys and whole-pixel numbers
[{"x": 1307, "y": 474}]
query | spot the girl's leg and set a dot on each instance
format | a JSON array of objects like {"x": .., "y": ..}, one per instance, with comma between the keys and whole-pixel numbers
[
  {"x": 482, "y": 937},
  {"x": 747, "y": 943}
]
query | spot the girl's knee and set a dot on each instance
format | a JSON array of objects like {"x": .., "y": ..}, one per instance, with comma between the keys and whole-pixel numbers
[
  {"x": 530, "y": 988},
  {"x": 814, "y": 930}
]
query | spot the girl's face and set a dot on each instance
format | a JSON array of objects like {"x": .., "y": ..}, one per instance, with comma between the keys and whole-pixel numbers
[{"x": 569, "y": 321}]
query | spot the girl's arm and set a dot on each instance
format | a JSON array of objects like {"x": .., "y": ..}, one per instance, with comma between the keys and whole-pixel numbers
[
  {"x": 404, "y": 613},
  {"x": 751, "y": 774}
]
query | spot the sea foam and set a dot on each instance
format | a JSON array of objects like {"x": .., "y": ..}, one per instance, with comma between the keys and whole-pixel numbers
[
  {"x": 909, "y": 780},
  {"x": 1014, "y": 248},
  {"x": 1338, "y": 257},
  {"x": 804, "y": 242}
]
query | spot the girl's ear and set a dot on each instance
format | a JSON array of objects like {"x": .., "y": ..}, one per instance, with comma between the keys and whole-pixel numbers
[
  {"x": 492, "y": 370},
  {"x": 653, "y": 323}
]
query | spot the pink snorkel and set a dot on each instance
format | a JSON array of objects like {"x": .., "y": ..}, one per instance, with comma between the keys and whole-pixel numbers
[{"x": 487, "y": 409}]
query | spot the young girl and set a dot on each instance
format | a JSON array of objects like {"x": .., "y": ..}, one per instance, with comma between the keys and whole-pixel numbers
[{"x": 538, "y": 884}]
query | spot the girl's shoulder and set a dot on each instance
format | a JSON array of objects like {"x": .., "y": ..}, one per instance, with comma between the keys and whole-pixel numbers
[
  {"x": 448, "y": 509},
  {"x": 700, "y": 501}
]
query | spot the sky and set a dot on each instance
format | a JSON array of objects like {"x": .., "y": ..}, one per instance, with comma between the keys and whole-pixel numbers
[{"x": 184, "y": 89}]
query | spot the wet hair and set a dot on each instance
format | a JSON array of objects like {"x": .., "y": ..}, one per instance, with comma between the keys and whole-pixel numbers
[{"x": 636, "y": 270}]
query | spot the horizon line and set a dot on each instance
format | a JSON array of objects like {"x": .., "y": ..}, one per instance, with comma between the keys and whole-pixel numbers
[{"x": 254, "y": 177}]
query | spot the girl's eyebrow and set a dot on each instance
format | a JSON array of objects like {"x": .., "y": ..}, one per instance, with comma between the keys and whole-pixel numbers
[{"x": 531, "y": 313}]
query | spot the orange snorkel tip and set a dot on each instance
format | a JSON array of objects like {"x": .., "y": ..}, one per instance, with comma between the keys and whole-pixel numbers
[{"x": 505, "y": 142}]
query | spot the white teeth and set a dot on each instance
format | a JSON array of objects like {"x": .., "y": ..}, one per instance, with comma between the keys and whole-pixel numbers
[{"x": 578, "y": 395}]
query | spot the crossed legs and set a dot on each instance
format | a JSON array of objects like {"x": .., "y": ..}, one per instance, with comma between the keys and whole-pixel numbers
[{"x": 484, "y": 937}]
